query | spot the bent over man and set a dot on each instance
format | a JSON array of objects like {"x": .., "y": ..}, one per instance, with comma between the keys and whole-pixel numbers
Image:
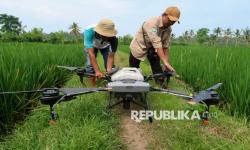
[
  {"x": 101, "y": 36},
  {"x": 152, "y": 41}
]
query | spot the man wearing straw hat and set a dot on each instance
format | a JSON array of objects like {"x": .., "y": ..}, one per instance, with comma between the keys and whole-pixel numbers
[
  {"x": 101, "y": 36},
  {"x": 152, "y": 41}
]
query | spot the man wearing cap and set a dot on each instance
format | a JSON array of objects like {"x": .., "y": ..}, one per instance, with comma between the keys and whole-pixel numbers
[
  {"x": 101, "y": 36},
  {"x": 153, "y": 41}
]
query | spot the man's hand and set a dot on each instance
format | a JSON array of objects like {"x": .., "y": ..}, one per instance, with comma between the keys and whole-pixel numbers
[
  {"x": 168, "y": 67},
  {"x": 164, "y": 59},
  {"x": 99, "y": 74},
  {"x": 109, "y": 72}
]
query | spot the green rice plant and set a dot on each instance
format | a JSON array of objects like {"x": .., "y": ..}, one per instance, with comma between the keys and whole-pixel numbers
[
  {"x": 202, "y": 66},
  {"x": 27, "y": 66}
]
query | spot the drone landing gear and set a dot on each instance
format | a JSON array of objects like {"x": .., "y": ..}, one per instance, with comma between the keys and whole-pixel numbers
[
  {"x": 205, "y": 116},
  {"x": 53, "y": 116},
  {"x": 110, "y": 106},
  {"x": 126, "y": 102},
  {"x": 128, "y": 99}
]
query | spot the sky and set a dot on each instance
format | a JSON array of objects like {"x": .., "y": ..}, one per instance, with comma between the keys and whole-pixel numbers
[{"x": 128, "y": 15}]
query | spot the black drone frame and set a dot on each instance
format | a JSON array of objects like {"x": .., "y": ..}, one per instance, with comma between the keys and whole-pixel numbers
[{"x": 53, "y": 96}]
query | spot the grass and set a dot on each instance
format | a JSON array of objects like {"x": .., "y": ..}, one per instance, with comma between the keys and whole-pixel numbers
[
  {"x": 202, "y": 66},
  {"x": 223, "y": 131},
  {"x": 28, "y": 66},
  {"x": 84, "y": 124}
]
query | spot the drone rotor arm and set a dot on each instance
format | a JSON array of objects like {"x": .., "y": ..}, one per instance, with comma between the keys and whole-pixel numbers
[
  {"x": 172, "y": 92},
  {"x": 69, "y": 68},
  {"x": 20, "y": 92},
  {"x": 69, "y": 92}
]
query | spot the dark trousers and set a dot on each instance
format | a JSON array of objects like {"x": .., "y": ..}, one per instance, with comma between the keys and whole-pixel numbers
[
  {"x": 154, "y": 61},
  {"x": 104, "y": 52}
]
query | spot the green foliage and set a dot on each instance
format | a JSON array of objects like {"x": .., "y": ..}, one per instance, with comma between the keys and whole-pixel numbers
[
  {"x": 217, "y": 31},
  {"x": 85, "y": 124},
  {"x": 10, "y": 24},
  {"x": 202, "y": 35},
  {"x": 246, "y": 33},
  {"x": 125, "y": 40},
  {"x": 9, "y": 37},
  {"x": 55, "y": 37},
  {"x": 202, "y": 66},
  {"x": 31, "y": 66},
  {"x": 35, "y": 35}
]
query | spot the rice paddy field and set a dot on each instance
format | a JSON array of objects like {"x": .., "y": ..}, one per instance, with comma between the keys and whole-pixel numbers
[
  {"x": 85, "y": 124},
  {"x": 203, "y": 66},
  {"x": 28, "y": 66}
]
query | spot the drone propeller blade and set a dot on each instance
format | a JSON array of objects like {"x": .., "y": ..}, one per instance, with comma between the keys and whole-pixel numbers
[
  {"x": 19, "y": 92},
  {"x": 209, "y": 96},
  {"x": 81, "y": 91},
  {"x": 69, "y": 68},
  {"x": 214, "y": 87}
]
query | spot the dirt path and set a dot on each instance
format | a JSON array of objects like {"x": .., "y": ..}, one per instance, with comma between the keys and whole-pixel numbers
[{"x": 133, "y": 134}]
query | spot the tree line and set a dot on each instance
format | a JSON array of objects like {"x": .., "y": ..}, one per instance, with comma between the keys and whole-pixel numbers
[
  {"x": 217, "y": 36},
  {"x": 11, "y": 29}
]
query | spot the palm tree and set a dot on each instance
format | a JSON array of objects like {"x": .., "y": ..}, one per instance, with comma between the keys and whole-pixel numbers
[
  {"x": 217, "y": 31},
  {"x": 246, "y": 34},
  {"x": 227, "y": 34},
  {"x": 191, "y": 33},
  {"x": 237, "y": 35},
  {"x": 75, "y": 29},
  {"x": 212, "y": 39},
  {"x": 186, "y": 36}
]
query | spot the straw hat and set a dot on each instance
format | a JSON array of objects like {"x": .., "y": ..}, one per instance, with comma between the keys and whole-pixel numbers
[
  {"x": 173, "y": 13},
  {"x": 106, "y": 27}
]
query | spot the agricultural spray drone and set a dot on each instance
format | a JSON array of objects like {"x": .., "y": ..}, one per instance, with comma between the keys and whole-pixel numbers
[{"x": 126, "y": 86}]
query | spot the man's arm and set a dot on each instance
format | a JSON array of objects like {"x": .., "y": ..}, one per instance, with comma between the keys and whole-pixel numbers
[
  {"x": 110, "y": 61},
  {"x": 151, "y": 30},
  {"x": 94, "y": 63},
  {"x": 164, "y": 59},
  {"x": 166, "y": 52},
  {"x": 114, "y": 44},
  {"x": 88, "y": 43}
]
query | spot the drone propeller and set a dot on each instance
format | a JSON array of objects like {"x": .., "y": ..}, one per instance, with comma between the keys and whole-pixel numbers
[
  {"x": 19, "y": 92},
  {"x": 69, "y": 68},
  {"x": 208, "y": 96},
  {"x": 214, "y": 87},
  {"x": 59, "y": 92},
  {"x": 53, "y": 96},
  {"x": 165, "y": 74},
  {"x": 81, "y": 72}
]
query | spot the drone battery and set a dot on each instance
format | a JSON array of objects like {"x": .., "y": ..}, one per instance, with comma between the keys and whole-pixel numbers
[{"x": 129, "y": 86}]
